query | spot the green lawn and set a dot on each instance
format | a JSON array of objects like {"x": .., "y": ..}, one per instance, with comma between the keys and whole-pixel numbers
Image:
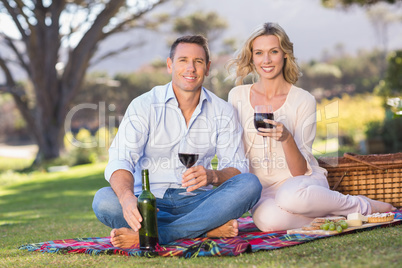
[{"x": 41, "y": 206}]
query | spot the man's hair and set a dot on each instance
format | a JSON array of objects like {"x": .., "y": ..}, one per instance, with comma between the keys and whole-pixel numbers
[{"x": 191, "y": 39}]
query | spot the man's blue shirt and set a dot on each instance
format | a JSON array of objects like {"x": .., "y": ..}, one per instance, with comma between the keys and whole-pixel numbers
[{"x": 153, "y": 127}]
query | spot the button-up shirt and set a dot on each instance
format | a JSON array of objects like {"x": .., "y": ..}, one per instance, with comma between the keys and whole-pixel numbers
[{"x": 153, "y": 128}]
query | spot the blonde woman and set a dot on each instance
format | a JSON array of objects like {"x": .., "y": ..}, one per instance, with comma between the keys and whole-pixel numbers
[{"x": 295, "y": 188}]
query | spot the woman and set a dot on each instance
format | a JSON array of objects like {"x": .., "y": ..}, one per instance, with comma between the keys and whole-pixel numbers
[{"x": 295, "y": 188}]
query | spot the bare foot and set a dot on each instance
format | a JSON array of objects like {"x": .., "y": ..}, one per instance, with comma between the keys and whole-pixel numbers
[
  {"x": 124, "y": 237},
  {"x": 229, "y": 229},
  {"x": 378, "y": 206}
]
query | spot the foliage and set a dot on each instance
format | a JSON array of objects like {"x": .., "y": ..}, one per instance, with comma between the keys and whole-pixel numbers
[
  {"x": 388, "y": 131},
  {"x": 348, "y": 3},
  {"x": 340, "y": 73},
  {"x": 348, "y": 116},
  {"x": 392, "y": 84},
  {"x": 392, "y": 137},
  {"x": 144, "y": 80},
  {"x": 353, "y": 119},
  {"x": 103, "y": 99},
  {"x": 13, "y": 124},
  {"x": 218, "y": 82},
  {"x": 85, "y": 148},
  {"x": 396, "y": 106},
  {"x": 394, "y": 72},
  {"x": 374, "y": 129},
  {"x": 207, "y": 24},
  {"x": 39, "y": 207}
]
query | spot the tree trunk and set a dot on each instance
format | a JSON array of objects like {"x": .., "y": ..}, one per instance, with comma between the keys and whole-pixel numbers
[{"x": 50, "y": 143}]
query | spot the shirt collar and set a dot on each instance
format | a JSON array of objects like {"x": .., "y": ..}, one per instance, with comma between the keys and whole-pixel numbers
[{"x": 170, "y": 94}]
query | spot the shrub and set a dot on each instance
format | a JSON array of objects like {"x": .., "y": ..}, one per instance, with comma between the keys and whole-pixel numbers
[
  {"x": 84, "y": 148},
  {"x": 348, "y": 116}
]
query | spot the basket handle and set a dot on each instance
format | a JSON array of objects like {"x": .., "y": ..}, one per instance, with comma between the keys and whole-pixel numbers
[
  {"x": 352, "y": 157},
  {"x": 338, "y": 182}
]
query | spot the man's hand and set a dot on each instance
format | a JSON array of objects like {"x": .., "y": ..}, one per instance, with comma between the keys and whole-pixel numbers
[
  {"x": 122, "y": 183},
  {"x": 199, "y": 176},
  {"x": 196, "y": 177},
  {"x": 131, "y": 212}
]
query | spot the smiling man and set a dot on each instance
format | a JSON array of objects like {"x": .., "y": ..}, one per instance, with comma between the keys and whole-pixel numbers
[{"x": 155, "y": 125}]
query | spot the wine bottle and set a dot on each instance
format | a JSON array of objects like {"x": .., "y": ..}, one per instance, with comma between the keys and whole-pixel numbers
[{"x": 147, "y": 207}]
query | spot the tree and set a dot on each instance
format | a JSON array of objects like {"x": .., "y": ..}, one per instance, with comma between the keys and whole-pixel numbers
[
  {"x": 381, "y": 14},
  {"x": 391, "y": 85},
  {"x": 348, "y": 3},
  {"x": 56, "y": 45},
  {"x": 341, "y": 73},
  {"x": 394, "y": 73},
  {"x": 208, "y": 24}
]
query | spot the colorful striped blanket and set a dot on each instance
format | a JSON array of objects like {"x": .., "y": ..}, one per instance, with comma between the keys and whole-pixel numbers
[{"x": 250, "y": 239}]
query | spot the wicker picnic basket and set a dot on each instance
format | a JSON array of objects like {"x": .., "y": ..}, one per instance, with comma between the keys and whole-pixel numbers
[{"x": 377, "y": 176}]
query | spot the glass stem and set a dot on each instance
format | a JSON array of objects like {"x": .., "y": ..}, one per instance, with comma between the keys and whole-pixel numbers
[{"x": 266, "y": 159}]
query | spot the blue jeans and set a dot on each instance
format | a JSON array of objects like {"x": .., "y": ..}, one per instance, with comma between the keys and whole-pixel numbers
[{"x": 187, "y": 216}]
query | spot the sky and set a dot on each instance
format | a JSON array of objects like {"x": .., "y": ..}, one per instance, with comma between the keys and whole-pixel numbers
[{"x": 312, "y": 28}]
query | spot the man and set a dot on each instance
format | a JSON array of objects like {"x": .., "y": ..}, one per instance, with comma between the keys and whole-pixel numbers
[{"x": 149, "y": 135}]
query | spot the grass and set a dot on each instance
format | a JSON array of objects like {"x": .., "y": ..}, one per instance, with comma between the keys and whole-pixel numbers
[
  {"x": 38, "y": 206},
  {"x": 13, "y": 163}
]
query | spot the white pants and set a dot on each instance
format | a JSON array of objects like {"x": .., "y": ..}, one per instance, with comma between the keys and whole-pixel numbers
[{"x": 297, "y": 201}]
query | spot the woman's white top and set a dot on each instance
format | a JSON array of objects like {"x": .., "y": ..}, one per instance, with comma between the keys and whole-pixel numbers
[{"x": 297, "y": 114}]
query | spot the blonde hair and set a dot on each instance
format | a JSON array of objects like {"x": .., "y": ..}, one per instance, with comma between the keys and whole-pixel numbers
[{"x": 244, "y": 56}]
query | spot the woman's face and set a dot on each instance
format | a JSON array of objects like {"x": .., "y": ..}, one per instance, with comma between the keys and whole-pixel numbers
[{"x": 268, "y": 57}]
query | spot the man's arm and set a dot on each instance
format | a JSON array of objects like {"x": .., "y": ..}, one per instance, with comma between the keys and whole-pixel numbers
[
  {"x": 217, "y": 177},
  {"x": 122, "y": 183},
  {"x": 199, "y": 176}
]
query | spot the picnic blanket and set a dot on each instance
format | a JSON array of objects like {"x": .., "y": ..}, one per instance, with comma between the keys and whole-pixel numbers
[{"x": 250, "y": 239}]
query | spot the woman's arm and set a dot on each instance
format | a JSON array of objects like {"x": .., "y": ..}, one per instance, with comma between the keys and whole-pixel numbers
[
  {"x": 296, "y": 162},
  {"x": 294, "y": 158}
]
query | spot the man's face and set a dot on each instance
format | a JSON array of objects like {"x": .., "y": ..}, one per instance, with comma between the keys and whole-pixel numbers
[{"x": 188, "y": 67}]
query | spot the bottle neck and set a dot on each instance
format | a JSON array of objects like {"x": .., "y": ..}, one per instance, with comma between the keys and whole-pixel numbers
[{"x": 145, "y": 182}]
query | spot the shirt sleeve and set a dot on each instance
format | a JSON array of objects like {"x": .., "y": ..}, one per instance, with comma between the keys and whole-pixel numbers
[{"x": 132, "y": 135}]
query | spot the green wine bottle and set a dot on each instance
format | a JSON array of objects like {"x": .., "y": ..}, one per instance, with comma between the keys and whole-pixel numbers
[{"x": 147, "y": 207}]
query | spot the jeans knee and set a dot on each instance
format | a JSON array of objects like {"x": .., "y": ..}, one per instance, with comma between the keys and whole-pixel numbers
[
  {"x": 249, "y": 184},
  {"x": 104, "y": 202}
]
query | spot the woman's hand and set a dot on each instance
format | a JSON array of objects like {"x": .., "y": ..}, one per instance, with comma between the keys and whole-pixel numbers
[
  {"x": 296, "y": 162},
  {"x": 279, "y": 132}
]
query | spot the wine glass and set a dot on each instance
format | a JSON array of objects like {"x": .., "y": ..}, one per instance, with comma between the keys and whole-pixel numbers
[
  {"x": 262, "y": 112},
  {"x": 188, "y": 156}
]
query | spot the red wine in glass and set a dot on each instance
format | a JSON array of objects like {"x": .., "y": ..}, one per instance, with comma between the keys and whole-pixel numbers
[
  {"x": 259, "y": 120},
  {"x": 188, "y": 160},
  {"x": 262, "y": 112}
]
